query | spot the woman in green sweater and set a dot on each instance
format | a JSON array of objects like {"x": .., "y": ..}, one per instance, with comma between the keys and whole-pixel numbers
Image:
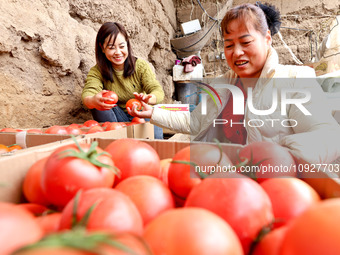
[{"x": 119, "y": 71}]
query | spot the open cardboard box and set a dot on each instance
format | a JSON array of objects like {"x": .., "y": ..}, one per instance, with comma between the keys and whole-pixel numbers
[
  {"x": 13, "y": 169},
  {"x": 30, "y": 140},
  {"x": 139, "y": 131}
]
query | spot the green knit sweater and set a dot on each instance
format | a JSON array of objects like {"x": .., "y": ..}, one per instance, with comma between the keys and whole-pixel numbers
[{"x": 142, "y": 80}]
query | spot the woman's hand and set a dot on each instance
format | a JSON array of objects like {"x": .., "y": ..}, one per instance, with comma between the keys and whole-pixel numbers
[
  {"x": 148, "y": 99},
  {"x": 97, "y": 101},
  {"x": 145, "y": 113}
]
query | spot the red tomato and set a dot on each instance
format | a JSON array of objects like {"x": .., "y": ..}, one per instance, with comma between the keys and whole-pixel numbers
[
  {"x": 18, "y": 228},
  {"x": 91, "y": 123},
  {"x": 62, "y": 177},
  {"x": 49, "y": 223},
  {"x": 110, "y": 95},
  {"x": 269, "y": 155},
  {"x": 115, "y": 125},
  {"x": 290, "y": 197},
  {"x": 149, "y": 194},
  {"x": 10, "y": 130},
  {"x": 33, "y": 208},
  {"x": 32, "y": 183},
  {"x": 239, "y": 200},
  {"x": 138, "y": 120},
  {"x": 130, "y": 103},
  {"x": 34, "y": 131},
  {"x": 56, "y": 130},
  {"x": 164, "y": 173},
  {"x": 95, "y": 129},
  {"x": 105, "y": 124},
  {"x": 134, "y": 157},
  {"x": 107, "y": 244},
  {"x": 191, "y": 231},
  {"x": 75, "y": 125},
  {"x": 183, "y": 177},
  {"x": 315, "y": 232},
  {"x": 54, "y": 250},
  {"x": 271, "y": 243},
  {"x": 74, "y": 129},
  {"x": 113, "y": 212}
]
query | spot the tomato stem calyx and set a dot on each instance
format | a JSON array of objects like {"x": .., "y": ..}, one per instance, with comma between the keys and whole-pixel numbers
[{"x": 91, "y": 156}]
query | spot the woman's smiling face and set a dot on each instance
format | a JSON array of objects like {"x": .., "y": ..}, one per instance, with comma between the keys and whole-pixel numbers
[
  {"x": 246, "y": 49},
  {"x": 116, "y": 52}
]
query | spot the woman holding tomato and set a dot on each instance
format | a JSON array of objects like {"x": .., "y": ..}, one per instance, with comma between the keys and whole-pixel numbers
[
  {"x": 118, "y": 70},
  {"x": 254, "y": 64}
]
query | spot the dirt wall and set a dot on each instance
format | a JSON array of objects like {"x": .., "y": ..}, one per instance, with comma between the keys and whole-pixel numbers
[{"x": 47, "y": 48}]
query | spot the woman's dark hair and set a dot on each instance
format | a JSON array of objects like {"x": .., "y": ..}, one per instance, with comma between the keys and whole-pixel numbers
[
  {"x": 111, "y": 30},
  {"x": 262, "y": 16},
  {"x": 272, "y": 15}
]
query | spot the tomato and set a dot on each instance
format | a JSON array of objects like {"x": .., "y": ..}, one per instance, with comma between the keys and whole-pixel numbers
[
  {"x": 134, "y": 157},
  {"x": 87, "y": 244},
  {"x": 271, "y": 243},
  {"x": 52, "y": 250},
  {"x": 91, "y": 123},
  {"x": 149, "y": 194},
  {"x": 74, "y": 125},
  {"x": 33, "y": 208},
  {"x": 138, "y": 120},
  {"x": 130, "y": 103},
  {"x": 14, "y": 147},
  {"x": 110, "y": 95},
  {"x": 164, "y": 173},
  {"x": 136, "y": 245},
  {"x": 290, "y": 197},
  {"x": 115, "y": 125},
  {"x": 183, "y": 177},
  {"x": 18, "y": 228},
  {"x": 34, "y": 131},
  {"x": 62, "y": 176},
  {"x": 269, "y": 156},
  {"x": 49, "y": 223},
  {"x": 74, "y": 129},
  {"x": 113, "y": 212},
  {"x": 3, "y": 149},
  {"x": 191, "y": 231},
  {"x": 315, "y": 232},
  {"x": 10, "y": 130},
  {"x": 56, "y": 130},
  {"x": 32, "y": 183},
  {"x": 239, "y": 200},
  {"x": 95, "y": 129},
  {"x": 105, "y": 124}
]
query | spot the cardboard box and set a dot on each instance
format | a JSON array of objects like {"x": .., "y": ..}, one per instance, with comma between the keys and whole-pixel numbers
[
  {"x": 13, "y": 169},
  {"x": 140, "y": 131},
  {"x": 28, "y": 140}
]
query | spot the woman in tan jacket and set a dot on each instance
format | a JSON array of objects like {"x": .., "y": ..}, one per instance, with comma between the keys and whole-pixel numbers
[{"x": 286, "y": 104}]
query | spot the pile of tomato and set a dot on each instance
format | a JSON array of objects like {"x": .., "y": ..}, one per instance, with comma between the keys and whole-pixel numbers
[
  {"x": 88, "y": 127},
  {"x": 124, "y": 199}
]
